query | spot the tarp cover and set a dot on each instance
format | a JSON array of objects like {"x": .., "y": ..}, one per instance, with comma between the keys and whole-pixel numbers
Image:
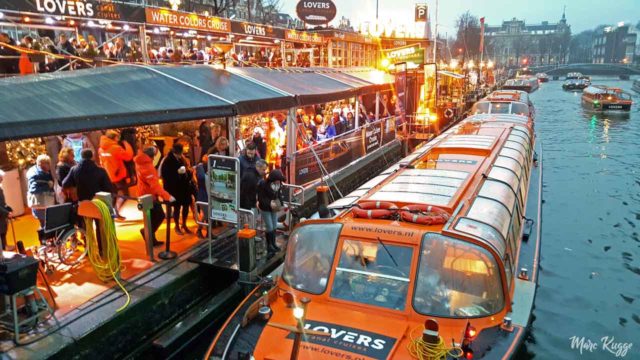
[
  {"x": 248, "y": 96},
  {"x": 133, "y": 95},
  {"x": 109, "y": 97},
  {"x": 308, "y": 87}
]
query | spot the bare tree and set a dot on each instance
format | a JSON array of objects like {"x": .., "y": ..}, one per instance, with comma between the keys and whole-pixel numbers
[
  {"x": 220, "y": 6},
  {"x": 270, "y": 10},
  {"x": 468, "y": 35}
]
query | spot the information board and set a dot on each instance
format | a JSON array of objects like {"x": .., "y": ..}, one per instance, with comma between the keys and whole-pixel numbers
[{"x": 224, "y": 188}]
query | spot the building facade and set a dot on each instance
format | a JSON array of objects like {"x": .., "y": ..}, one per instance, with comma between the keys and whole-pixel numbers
[
  {"x": 615, "y": 44},
  {"x": 516, "y": 43}
]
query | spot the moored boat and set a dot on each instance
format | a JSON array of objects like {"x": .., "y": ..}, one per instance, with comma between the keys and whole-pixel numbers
[
  {"x": 439, "y": 256},
  {"x": 600, "y": 98},
  {"x": 524, "y": 83},
  {"x": 514, "y": 102}
]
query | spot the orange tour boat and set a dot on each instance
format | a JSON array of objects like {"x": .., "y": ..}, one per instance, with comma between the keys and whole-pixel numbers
[
  {"x": 435, "y": 258},
  {"x": 599, "y": 98}
]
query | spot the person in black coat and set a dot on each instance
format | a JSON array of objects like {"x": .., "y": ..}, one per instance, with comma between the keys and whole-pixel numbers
[
  {"x": 9, "y": 65},
  {"x": 248, "y": 158},
  {"x": 88, "y": 178},
  {"x": 270, "y": 201},
  {"x": 5, "y": 214},
  {"x": 176, "y": 178},
  {"x": 249, "y": 185}
]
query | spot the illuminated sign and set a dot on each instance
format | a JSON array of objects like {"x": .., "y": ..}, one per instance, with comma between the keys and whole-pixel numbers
[
  {"x": 421, "y": 12},
  {"x": 90, "y": 9},
  {"x": 239, "y": 27},
  {"x": 409, "y": 54},
  {"x": 393, "y": 30},
  {"x": 316, "y": 12},
  {"x": 302, "y": 36},
  {"x": 166, "y": 17}
]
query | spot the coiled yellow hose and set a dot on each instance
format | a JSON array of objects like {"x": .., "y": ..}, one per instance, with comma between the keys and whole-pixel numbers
[
  {"x": 419, "y": 349},
  {"x": 107, "y": 267}
]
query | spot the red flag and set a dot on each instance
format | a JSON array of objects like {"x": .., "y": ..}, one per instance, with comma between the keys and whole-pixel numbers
[{"x": 481, "y": 35}]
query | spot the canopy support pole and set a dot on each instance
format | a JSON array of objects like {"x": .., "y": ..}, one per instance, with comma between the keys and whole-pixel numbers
[
  {"x": 377, "y": 105},
  {"x": 291, "y": 145},
  {"x": 357, "y": 114},
  {"x": 143, "y": 44},
  {"x": 232, "y": 125}
]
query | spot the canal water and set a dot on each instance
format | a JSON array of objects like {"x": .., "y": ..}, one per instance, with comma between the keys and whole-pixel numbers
[{"x": 589, "y": 284}]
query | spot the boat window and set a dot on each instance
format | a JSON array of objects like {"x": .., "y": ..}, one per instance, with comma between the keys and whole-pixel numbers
[
  {"x": 519, "y": 109},
  {"x": 509, "y": 163},
  {"x": 456, "y": 279},
  {"x": 516, "y": 146},
  {"x": 482, "y": 231},
  {"x": 491, "y": 212},
  {"x": 504, "y": 175},
  {"x": 481, "y": 108},
  {"x": 309, "y": 257},
  {"x": 624, "y": 96},
  {"x": 500, "y": 108},
  {"x": 520, "y": 140},
  {"x": 499, "y": 191},
  {"x": 373, "y": 273},
  {"x": 514, "y": 154}
]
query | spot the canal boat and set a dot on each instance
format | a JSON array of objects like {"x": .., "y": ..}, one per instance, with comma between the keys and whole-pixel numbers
[
  {"x": 573, "y": 75},
  {"x": 575, "y": 85},
  {"x": 438, "y": 256},
  {"x": 524, "y": 83},
  {"x": 542, "y": 77},
  {"x": 636, "y": 85},
  {"x": 514, "y": 102},
  {"x": 600, "y": 98}
]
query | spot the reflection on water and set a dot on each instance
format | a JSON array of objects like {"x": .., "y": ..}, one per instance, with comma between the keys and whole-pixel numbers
[{"x": 589, "y": 285}]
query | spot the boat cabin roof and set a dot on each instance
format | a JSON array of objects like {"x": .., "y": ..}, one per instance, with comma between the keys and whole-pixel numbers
[{"x": 508, "y": 95}]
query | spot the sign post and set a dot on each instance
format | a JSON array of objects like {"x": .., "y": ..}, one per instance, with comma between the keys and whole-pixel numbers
[{"x": 224, "y": 191}]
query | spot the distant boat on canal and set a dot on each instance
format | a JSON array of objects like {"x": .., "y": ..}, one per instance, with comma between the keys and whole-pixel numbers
[
  {"x": 573, "y": 75},
  {"x": 600, "y": 98},
  {"x": 575, "y": 85},
  {"x": 542, "y": 77}
]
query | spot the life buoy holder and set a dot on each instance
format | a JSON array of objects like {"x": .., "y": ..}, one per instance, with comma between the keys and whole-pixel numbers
[
  {"x": 424, "y": 214},
  {"x": 374, "y": 210},
  {"x": 448, "y": 113}
]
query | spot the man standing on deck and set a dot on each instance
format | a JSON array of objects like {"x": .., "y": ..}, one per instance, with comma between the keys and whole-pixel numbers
[{"x": 149, "y": 184}]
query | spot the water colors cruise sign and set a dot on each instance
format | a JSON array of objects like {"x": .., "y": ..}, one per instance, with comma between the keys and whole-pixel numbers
[
  {"x": 165, "y": 17},
  {"x": 316, "y": 12}
]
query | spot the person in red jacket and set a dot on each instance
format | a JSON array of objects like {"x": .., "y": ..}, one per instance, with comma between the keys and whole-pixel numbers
[
  {"x": 149, "y": 184},
  {"x": 112, "y": 157}
]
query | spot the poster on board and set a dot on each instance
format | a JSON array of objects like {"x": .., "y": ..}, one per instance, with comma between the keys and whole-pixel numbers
[{"x": 224, "y": 188}]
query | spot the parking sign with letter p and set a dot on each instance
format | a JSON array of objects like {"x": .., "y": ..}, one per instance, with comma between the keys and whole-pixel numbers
[{"x": 421, "y": 12}]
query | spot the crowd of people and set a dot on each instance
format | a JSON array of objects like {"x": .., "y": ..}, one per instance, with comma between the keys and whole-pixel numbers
[
  {"x": 121, "y": 162},
  {"x": 34, "y": 54}
]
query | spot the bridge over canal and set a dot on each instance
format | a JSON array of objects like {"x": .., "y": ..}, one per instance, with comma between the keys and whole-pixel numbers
[{"x": 589, "y": 69}]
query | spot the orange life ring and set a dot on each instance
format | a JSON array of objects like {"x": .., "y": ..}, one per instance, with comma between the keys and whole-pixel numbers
[
  {"x": 374, "y": 210},
  {"x": 448, "y": 113},
  {"x": 426, "y": 214}
]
